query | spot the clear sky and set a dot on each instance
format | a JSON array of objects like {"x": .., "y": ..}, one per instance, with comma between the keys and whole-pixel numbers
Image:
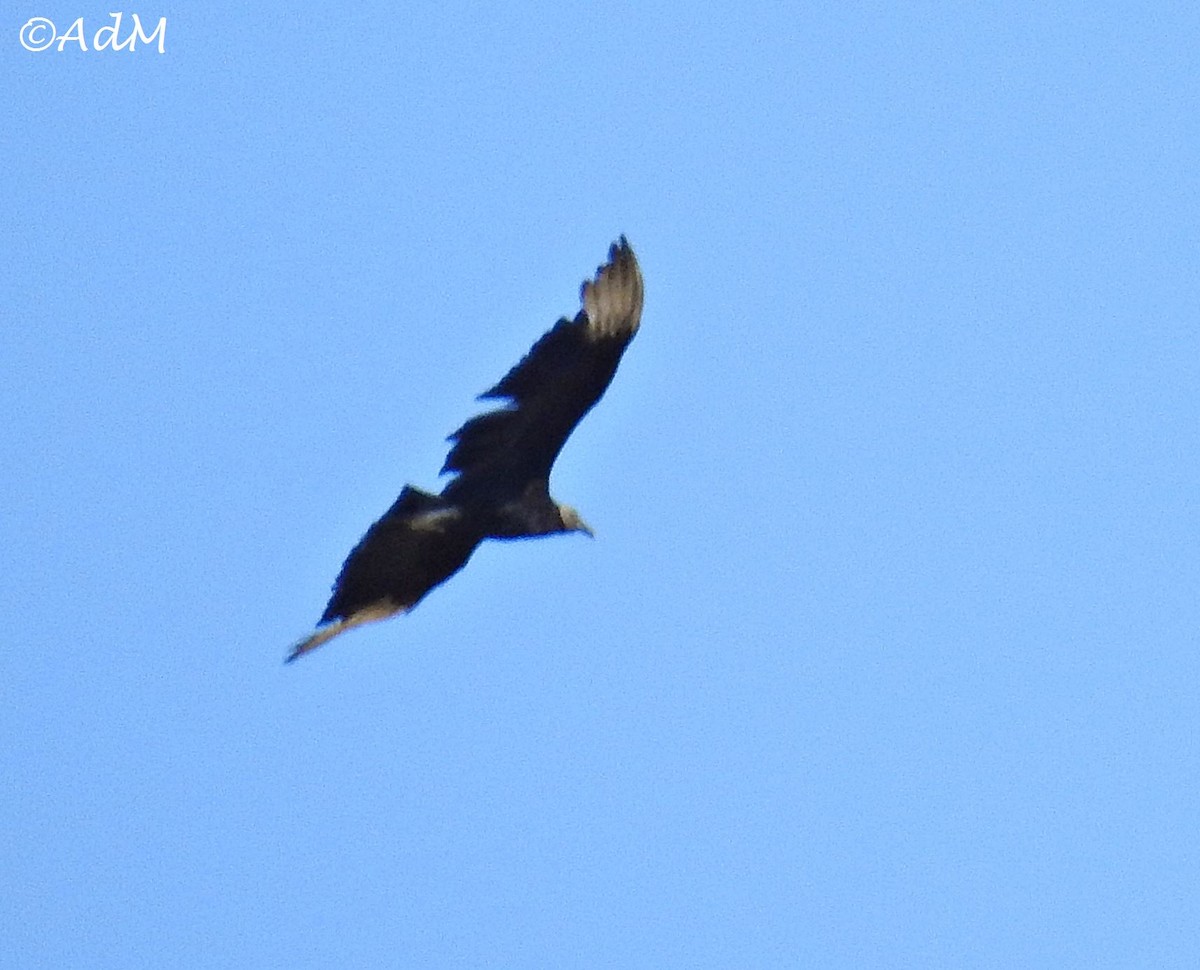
[{"x": 885, "y": 654}]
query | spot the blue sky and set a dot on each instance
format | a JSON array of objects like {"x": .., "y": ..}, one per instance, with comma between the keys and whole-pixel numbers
[{"x": 885, "y": 654}]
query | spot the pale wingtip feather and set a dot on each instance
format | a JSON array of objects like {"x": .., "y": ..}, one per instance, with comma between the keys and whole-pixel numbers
[
  {"x": 322, "y": 635},
  {"x": 314, "y": 640},
  {"x": 613, "y": 300}
]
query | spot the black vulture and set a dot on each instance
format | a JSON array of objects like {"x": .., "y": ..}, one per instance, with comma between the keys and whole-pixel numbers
[{"x": 501, "y": 462}]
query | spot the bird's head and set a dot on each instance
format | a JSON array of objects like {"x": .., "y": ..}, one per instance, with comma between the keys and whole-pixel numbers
[{"x": 572, "y": 522}]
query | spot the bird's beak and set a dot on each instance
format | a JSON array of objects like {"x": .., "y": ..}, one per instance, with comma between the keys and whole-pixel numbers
[{"x": 585, "y": 529}]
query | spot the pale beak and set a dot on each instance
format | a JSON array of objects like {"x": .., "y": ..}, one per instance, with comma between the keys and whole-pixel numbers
[{"x": 585, "y": 529}]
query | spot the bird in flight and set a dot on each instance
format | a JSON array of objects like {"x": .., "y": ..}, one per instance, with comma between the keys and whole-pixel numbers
[{"x": 501, "y": 462}]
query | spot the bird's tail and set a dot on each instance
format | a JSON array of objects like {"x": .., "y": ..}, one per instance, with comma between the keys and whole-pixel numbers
[{"x": 323, "y": 634}]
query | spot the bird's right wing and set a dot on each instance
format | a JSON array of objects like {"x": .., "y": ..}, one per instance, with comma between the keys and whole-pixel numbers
[{"x": 419, "y": 542}]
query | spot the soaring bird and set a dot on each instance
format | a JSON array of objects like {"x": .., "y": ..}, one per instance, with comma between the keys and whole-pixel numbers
[{"x": 501, "y": 462}]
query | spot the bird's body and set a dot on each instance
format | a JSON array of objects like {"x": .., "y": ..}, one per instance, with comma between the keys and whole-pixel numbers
[{"x": 501, "y": 461}]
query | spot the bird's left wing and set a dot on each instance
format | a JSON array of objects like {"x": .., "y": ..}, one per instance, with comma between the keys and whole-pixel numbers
[{"x": 555, "y": 384}]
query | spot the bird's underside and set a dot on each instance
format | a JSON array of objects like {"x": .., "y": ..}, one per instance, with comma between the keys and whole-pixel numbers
[{"x": 501, "y": 461}]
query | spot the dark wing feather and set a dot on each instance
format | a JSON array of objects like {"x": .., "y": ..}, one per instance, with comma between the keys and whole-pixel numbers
[
  {"x": 554, "y": 386},
  {"x": 420, "y": 542}
]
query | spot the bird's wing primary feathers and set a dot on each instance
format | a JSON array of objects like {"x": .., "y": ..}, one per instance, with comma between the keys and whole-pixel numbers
[{"x": 554, "y": 386}]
